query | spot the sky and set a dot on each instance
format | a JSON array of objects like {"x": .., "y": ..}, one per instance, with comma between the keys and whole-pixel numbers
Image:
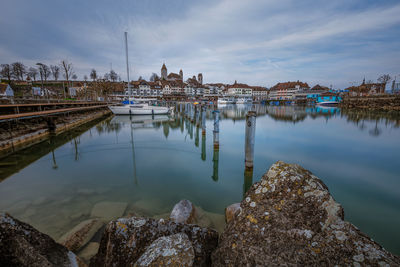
[{"x": 257, "y": 42}]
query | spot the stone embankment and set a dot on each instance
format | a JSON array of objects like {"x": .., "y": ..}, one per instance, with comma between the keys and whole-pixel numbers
[
  {"x": 390, "y": 102},
  {"x": 20, "y": 134},
  {"x": 288, "y": 218}
]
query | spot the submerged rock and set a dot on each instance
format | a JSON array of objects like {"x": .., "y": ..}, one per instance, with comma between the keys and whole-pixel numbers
[
  {"x": 126, "y": 239},
  {"x": 183, "y": 212},
  {"x": 108, "y": 211},
  {"x": 290, "y": 218},
  {"x": 174, "y": 250},
  {"x": 230, "y": 211},
  {"x": 89, "y": 251},
  {"x": 23, "y": 245},
  {"x": 81, "y": 234}
]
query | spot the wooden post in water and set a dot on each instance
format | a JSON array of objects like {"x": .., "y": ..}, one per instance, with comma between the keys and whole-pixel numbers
[
  {"x": 216, "y": 129},
  {"x": 203, "y": 120},
  {"x": 249, "y": 139},
  {"x": 215, "y": 164},
  {"x": 203, "y": 147}
]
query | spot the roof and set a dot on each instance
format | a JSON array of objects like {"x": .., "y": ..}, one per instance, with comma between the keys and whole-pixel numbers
[
  {"x": 288, "y": 85},
  {"x": 163, "y": 67},
  {"x": 174, "y": 76},
  {"x": 319, "y": 87},
  {"x": 239, "y": 85},
  {"x": 365, "y": 88}
]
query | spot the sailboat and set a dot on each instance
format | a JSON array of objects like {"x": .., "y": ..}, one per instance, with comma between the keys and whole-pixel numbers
[{"x": 134, "y": 106}]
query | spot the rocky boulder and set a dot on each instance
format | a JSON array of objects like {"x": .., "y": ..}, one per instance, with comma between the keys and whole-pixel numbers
[
  {"x": 23, "y": 245},
  {"x": 174, "y": 250},
  {"x": 290, "y": 218},
  {"x": 183, "y": 212},
  {"x": 126, "y": 239}
]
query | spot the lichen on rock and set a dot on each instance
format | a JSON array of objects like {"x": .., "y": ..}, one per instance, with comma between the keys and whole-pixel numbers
[
  {"x": 174, "y": 250},
  {"x": 23, "y": 245},
  {"x": 294, "y": 221},
  {"x": 126, "y": 239}
]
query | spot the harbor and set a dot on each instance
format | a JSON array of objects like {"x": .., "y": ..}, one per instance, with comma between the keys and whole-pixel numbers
[{"x": 158, "y": 160}]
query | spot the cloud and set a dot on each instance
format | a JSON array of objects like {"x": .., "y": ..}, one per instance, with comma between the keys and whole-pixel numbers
[{"x": 258, "y": 42}]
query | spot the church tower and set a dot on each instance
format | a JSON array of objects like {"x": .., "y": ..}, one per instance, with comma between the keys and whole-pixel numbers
[
  {"x": 164, "y": 72},
  {"x": 181, "y": 74},
  {"x": 200, "y": 78}
]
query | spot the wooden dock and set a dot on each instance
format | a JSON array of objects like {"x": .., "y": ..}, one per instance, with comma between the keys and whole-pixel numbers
[{"x": 27, "y": 115}]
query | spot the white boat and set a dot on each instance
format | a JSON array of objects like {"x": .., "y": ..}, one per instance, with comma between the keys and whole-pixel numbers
[
  {"x": 132, "y": 106},
  {"x": 139, "y": 108},
  {"x": 244, "y": 100},
  {"x": 328, "y": 103},
  {"x": 226, "y": 100}
]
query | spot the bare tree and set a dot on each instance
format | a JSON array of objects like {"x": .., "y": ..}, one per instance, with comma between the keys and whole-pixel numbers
[
  {"x": 32, "y": 73},
  {"x": 74, "y": 77},
  {"x": 93, "y": 74},
  {"x": 85, "y": 78},
  {"x": 67, "y": 69},
  {"x": 140, "y": 78},
  {"x": 18, "y": 70},
  {"x": 154, "y": 77},
  {"x": 44, "y": 71},
  {"x": 113, "y": 76},
  {"x": 107, "y": 76},
  {"x": 5, "y": 72},
  {"x": 55, "y": 71},
  {"x": 384, "y": 78}
]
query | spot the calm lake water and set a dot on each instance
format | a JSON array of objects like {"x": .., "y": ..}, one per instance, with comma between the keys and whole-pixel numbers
[{"x": 152, "y": 164}]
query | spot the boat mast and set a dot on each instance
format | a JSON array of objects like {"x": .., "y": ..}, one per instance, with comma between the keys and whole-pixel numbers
[{"x": 127, "y": 64}]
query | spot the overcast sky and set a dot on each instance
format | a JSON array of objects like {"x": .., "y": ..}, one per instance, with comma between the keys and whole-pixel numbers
[{"x": 256, "y": 42}]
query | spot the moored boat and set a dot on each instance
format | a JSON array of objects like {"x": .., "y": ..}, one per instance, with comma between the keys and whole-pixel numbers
[
  {"x": 137, "y": 108},
  {"x": 226, "y": 100},
  {"x": 328, "y": 99}
]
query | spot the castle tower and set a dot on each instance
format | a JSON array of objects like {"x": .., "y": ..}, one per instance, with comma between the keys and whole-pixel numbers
[
  {"x": 181, "y": 74},
  {"x": 164, "y": 72},
  {"x": 200, "y": 78}
]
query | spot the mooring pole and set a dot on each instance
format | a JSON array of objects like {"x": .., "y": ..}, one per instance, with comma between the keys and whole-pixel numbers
[
  {"x": 215, "y": 164},
  {"x": 203, "y": 147},
  {"x": 249, "y": 139},
  {"x": 196, "y": 139},
  {"x": 216, "y": 129},
  {"x": 203, "y": 120}
]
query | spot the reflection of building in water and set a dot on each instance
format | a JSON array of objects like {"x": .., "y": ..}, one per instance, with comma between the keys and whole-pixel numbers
[
  {"x": 215, "y": 164},
  {"x": 203, "y": 147},
  {"x": 287, "y": 113}
]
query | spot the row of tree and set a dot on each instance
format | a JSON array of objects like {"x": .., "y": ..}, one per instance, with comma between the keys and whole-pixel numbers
[{"x": 19, "y": 72}]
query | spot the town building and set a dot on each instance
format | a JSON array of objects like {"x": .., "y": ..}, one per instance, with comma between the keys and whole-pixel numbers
[
  {"x": 260, "y": 93},
  {"x": 6, "y": 90},
  {"x": 395, "y": 87},
  {"x": 240, "y": 90},
  {"x": 366, "y": 89},
  {"x": 287, "y": 90}
]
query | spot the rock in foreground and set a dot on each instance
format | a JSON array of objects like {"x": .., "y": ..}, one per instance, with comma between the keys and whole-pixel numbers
[
  {"x": 126, "y": 239},
  {"x": 23, "y": 245},
  {"x": 174, "y": 250},
  {"x": 289, "y": 218}
]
